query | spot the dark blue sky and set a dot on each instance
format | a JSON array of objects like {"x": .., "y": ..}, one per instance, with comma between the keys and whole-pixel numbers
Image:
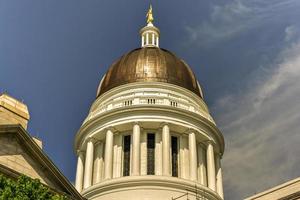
[{"x": 244, "y": 53}]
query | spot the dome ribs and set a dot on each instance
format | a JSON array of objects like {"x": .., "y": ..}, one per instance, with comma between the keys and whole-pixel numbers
[{"x": 149, "y": 64}]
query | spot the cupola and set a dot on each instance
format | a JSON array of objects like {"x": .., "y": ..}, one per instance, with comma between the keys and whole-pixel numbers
[{"x": 150, "y": 33}]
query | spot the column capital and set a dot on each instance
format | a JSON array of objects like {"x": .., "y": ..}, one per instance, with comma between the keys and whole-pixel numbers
[
  {"x": 79, "y": 151},
  {"x": 139, "y": 124},
  {"x": 136, "y": 123},
  {"x": 111, "y": 128},
  {"x": 162, "y": 124},
  {"x": 207, "y": 142},
  {"x": 190, "y": 130},
  {"x": 91, "y": 139}
]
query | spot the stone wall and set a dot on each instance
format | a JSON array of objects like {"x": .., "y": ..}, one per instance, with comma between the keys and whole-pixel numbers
[
  {"x": 8, "y": 117},
  {"x": 13, "y": 111},
  {"x": 14, "y": 156}
]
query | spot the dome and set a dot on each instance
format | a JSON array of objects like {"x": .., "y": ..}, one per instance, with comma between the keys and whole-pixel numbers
[
  {"x": 149, "y": 134},
  {"x": 149, "y": 64}
]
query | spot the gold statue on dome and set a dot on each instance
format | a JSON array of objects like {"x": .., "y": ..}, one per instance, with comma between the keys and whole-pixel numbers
[{"x": 149, "y": 15}]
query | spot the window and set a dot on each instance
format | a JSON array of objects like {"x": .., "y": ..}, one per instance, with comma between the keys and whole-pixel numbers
[
  {"x": 150, "y": 153},
  {"x": 126, "y": 159},
  {"x": 174, "y": 146},
  {"x": 151, "y": 101},
  {"x": 173, "y": 103},
  {"x": 128, "y": 103}
]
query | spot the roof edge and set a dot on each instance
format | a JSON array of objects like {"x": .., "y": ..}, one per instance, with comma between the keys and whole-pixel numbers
[{"x": 42, "y": 157}]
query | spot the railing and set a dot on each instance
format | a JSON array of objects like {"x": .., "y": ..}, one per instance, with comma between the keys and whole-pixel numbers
[
  {"x": 132, "y": 100},
  {"x": 197, "y": 194}
]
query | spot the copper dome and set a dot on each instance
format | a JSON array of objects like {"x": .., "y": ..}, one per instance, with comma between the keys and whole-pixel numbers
[{"x": 149, "y": 64}]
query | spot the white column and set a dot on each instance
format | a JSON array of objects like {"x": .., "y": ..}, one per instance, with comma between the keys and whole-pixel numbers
[
  {"x": 89, "y": 159},
  {"x": 193, "y": 156},
  {"x": 184, "y": 163},
  {"x": 143, "y": 157},
  {"x": 158, "y": 153},
  {"x": 130, "y": 163},
  {"x": 202, "y": 178},
  {"x": 157, "y": 41},
  {"x": 136, "y": 150},
  {"x": 79, "y": 171},
  {"x": 117, "y": 157},
  {"x": 219, "y": 177},
  {"x": 98, "y": 162},
  {"x": 109, "y": 141},
  {"x": 211, "y": 175},
  {"x": 147, "y": 38},
  {"x": 143, "y": 40},
  {"x": 166, "y": 150}
]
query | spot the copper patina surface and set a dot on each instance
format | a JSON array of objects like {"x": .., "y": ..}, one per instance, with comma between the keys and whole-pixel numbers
[{"x": 149, "y": 65}]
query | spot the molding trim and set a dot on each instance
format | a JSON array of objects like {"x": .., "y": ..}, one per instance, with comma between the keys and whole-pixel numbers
[{"x": 165, "y": 183}]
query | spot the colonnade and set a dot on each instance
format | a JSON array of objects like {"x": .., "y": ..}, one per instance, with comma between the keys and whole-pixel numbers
[{"x": 103, "y": 160}]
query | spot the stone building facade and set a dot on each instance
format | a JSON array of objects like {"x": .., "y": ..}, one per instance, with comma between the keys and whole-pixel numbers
[
  {"x": 287, "y": 191},
  {"x": 22, "y": 154}
]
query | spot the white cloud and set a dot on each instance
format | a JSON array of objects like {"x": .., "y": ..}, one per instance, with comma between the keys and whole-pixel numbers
[
  {"x": 290, "y": 33},
  {"x": 229, "y": 11},
  {"x": 234, "y": 17},
  {"x": 225, "y": 21},
  {"x": 262, "y": 128}
]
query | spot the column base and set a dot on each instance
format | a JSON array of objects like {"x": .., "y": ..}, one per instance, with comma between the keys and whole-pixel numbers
[{"x": 148, "y": 187}]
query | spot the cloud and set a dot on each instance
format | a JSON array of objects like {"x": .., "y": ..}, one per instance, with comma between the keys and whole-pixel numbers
[
  {"x": 234, "y": 17},
  {"x": 290, "y": 33},
  {"x": 262, "y": 129},
  {"x": 225, "y": 21}
]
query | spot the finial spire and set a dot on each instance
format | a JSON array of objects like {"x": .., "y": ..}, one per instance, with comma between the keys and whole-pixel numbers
[
  {"x": 149, "y": 34},
  {"x": 149, "y": 15}
]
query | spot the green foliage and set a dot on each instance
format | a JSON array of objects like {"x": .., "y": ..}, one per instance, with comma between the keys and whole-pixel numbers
[{"x": 25, "y": 188}]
